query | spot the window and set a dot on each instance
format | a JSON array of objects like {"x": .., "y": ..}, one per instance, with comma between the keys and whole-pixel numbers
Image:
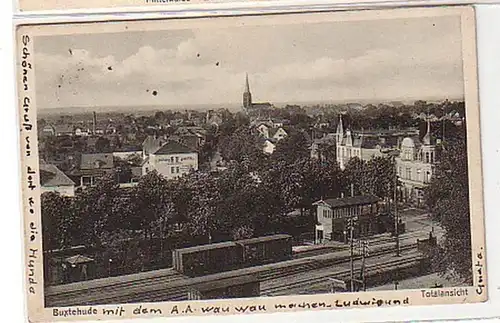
[
  {"x": 171, "y": 159},
  {"x": 177, "y": 170},
  {"x": 408, "y": 173},
  {"x": 427, "y": 176},
  {"x": 176, "y": 159},
  {"x": 147, "y": 170},
  {"x": 419, "y": 174},
  {"x": 172, "y": 170}
]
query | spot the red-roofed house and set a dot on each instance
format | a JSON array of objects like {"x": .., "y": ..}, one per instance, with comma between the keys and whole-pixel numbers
[{"x": 171, "y": 160}]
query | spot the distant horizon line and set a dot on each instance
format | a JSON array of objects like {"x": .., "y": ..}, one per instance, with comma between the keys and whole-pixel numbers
[{"x": 183, "y": 106}]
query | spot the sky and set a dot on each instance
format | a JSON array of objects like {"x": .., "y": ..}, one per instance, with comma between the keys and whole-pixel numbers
[{"x": 392, "y": 59}]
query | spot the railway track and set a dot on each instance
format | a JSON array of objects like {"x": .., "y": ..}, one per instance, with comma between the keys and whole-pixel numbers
[
  {"x": 58, "y": 295},
  {"x": 315, "y": 264},
  {"x": 170, "y": 286},
  {"x": 408, "y": 237},
  {"x": 76, "y": 290},
  {"x": 285, "y": 288}
]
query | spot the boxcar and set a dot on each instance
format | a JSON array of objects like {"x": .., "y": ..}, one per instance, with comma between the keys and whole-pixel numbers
[
  {"x": 266, "y": 249},
  {"x": 207, "y": 259},
  {"x": 218, "y": 286}
]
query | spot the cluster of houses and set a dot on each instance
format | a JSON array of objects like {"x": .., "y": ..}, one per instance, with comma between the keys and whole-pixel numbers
[
  {"x": 176, "y": 154},
  {"x": 170, "y": 155},
  {"x": 415, "y": 157}
]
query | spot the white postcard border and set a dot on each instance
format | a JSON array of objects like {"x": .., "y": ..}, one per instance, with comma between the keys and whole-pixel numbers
[{"x": 31, "y": 200}]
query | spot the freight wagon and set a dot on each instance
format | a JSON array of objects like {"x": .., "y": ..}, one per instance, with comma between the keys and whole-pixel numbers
[
  {"x": 224, "y": 256},
  {"x": 207, "y": 259},
  {"x": 262, "y": 250}
]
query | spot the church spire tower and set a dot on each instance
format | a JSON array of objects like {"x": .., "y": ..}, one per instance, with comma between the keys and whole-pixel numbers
[
  {"x": 339, "y": 135},
  {"x": 247, "y": 96}
]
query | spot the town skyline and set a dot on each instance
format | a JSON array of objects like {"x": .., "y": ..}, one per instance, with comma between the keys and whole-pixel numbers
[{"x": 355, "y": 61}]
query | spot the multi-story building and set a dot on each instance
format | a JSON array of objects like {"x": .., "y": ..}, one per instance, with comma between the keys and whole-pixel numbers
[
  {"x": 415, "y": 166},
  {"x": 367, "y": 144},
  {"x": 350, "y": 145},
  {"x": 171, "y": 160},
  {"x": 332, "y": 216}
]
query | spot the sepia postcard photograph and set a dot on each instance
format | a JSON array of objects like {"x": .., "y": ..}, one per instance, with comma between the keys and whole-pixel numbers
[{"x": 251, "y": 164}]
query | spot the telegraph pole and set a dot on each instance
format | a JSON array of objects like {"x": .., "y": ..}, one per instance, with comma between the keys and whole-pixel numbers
[
  {"x": 364, "y": 254},
  {"x": 396, "y": 216},
  {"x": 351, "y": 242}
]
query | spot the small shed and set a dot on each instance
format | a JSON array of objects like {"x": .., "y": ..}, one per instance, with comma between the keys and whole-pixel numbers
[{"x": 78, "y": 268}]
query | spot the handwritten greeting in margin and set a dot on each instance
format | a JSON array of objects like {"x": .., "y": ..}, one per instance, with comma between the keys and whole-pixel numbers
[{"x": 29, "y": 172}]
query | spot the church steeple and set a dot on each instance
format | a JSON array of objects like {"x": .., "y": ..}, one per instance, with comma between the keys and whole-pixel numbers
[
  {"x": 247, "y": 85},
  {"x": 340, "y": 130},
  {"x": 247, "y": 96}
]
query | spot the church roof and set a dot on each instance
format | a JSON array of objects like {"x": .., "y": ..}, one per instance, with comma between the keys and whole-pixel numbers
[{"x": 262, "y": 105}]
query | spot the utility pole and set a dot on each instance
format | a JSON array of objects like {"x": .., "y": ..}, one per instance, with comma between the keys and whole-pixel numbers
[
  {"x": 351, "y": 242},
  {"x": 364, "y": 253},
  {"x": 396, "y": 216}
]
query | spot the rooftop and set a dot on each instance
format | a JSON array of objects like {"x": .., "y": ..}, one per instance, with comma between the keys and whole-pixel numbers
[
  {"x": 351, "y": 201},
  {"x": 207, "y": 246},
  {"x": 264, "y": 238},
  {"x": 78, "y": 259},
  {"x": 96, "y": 161},
  {"x": 173, "y": 147},
  {"x": 50, "y": 175}
]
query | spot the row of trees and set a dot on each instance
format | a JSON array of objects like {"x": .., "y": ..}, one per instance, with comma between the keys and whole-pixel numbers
[
  {"x": 447, "y": 198},
  {"x": 200, "y": 207}
]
